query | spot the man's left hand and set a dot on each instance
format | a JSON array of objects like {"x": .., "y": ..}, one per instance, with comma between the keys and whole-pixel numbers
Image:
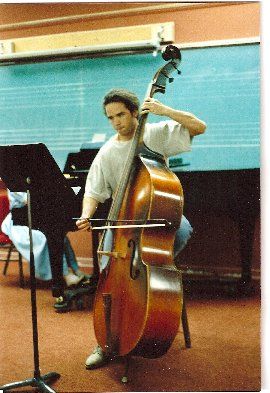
[{"x": 154, "y": 106}]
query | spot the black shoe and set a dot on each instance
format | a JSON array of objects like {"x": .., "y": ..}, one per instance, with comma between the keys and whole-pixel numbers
[{"x": 62, "y": 304}]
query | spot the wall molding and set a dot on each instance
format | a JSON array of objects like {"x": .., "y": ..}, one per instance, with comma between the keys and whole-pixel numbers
[
  {"x": 154, "y": 33},
  {"x": 226, "y": 42},
  {"x": 111, "y": 14}
]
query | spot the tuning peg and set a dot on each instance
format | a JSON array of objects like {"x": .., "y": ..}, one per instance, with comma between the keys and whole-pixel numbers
[
  {"x": 171, "y": 80},
  {"x": 171, "y": 52},
  {"x": 178, "y": 71}
]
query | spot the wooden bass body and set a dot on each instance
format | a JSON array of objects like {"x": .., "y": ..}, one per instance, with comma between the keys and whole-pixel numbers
[{"x": 138, "y": 302}]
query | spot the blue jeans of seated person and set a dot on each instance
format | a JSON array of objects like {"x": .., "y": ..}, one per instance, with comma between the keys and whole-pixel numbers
[
  {"x": 182, "y": 236},
  {"x": 70, "y": 258},
  {"x": 19, "y": 234}
]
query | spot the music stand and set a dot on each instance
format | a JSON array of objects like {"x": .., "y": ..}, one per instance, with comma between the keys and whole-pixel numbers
[{"x": 20, "y": 170}]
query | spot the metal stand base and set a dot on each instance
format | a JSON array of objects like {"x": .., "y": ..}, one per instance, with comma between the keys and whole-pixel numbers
[{"x": 38, "y": 382}]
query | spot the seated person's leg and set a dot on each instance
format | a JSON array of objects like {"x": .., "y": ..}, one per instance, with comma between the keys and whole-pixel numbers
[
  {"x": 70, "y": 278},
  {"x": 71, "y": 260},
  {"x": 183, "y": 234},
  {"x": 107, "y": 246}
]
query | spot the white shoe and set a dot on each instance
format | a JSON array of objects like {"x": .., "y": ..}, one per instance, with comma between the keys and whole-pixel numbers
[
  {"x": 97, "y": 359},
  {"x": 72, "y": 280}
]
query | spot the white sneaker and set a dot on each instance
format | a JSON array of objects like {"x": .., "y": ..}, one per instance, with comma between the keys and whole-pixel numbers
[
  {"x": 97, "y": 359},
  {"x": 72, "y": 280}
]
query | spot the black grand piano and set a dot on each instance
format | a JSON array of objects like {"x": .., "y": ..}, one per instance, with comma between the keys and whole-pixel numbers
[{"x": 77, "y": 166}]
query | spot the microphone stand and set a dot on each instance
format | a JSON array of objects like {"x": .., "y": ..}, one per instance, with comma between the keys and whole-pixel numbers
[{"x": 37, "y": 381}]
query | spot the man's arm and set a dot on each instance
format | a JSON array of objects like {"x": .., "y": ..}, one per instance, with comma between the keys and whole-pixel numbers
[
  {"x": 89, "y": 207},
  {"x": 188, "y": 120}
]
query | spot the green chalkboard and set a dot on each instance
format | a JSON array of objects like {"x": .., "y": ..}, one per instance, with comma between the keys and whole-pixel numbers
[{"x": 59, "y": 103}]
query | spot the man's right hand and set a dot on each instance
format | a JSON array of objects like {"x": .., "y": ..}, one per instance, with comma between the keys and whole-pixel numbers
[
  {"x": 89, "y": 207},
  {"x": 83, "y": 224}
]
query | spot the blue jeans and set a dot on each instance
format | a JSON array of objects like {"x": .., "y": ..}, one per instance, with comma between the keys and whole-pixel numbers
[
  {"x": 69, "y": 257},
  {"x": 182, "y": 236}
]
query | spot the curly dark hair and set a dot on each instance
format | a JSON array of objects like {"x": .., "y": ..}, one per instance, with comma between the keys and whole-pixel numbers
[{"x": 129, "y": 99}]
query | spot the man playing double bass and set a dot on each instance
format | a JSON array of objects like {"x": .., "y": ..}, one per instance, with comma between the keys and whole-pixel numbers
[{"x": 168, "y": 138}]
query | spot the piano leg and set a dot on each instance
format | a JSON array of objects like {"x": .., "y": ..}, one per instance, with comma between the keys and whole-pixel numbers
[
  {"x": 246, "y": 230},
  {"x": 248, "y": 208},
  {"x": 56, "y": 250}
]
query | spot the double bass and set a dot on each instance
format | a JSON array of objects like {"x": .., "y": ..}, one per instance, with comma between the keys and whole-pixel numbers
[{"x": 139, "y": 297}]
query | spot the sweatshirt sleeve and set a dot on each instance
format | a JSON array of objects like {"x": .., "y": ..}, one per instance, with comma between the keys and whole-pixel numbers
[
  {"x": 96, "y": 185},
  {"x": 168, "y": 138}
]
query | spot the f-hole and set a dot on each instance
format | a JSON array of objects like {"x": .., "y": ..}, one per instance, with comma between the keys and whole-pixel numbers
[{"x": 134, "y": 270}]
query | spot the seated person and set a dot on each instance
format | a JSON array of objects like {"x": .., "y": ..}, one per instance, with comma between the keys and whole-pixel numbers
[{"x": 19, "y": 234}]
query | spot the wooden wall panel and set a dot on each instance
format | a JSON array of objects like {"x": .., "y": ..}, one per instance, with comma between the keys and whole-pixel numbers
[{"x": 211, "y": 21}]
